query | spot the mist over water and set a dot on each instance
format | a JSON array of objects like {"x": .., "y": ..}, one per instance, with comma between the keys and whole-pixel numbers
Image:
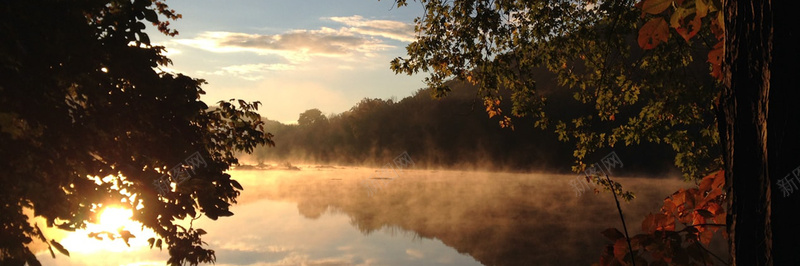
[
  {"x": 325, "y": 216},
  {"x": 495, "y": 218}
]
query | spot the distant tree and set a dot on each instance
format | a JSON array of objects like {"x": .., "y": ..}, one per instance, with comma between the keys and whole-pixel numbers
[
  {"x": 311, "y": 117},
  {"x": 88, "y": 120},
  {"x": 623, "y": 57}
]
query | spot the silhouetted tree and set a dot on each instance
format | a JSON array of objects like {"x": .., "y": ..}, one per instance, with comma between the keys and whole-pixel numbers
[
  {"x": 311, "y": 117},
  {"x": 87, "y": 121}
]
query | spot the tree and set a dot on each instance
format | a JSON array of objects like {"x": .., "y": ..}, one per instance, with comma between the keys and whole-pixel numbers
[
  {"x": 759, "y": 130},
  {"x": 88, "y": 121},
  {"x": 311, "y": 117},
  {"x": 633, "y": 65}
]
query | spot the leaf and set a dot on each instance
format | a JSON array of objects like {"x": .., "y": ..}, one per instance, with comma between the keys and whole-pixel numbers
[
  {"x": 695, "y": 252},
  {"x": 52, "y": 254},
  {"x": 59, "y": 247},
  {"x": 158, "y": 244},
  {"x": 702, "y": 8},
  {"x": 620, "y": 249},
  {"x": 719, "y": 177},
  {"x": 126, "y": 235},
  {"x": 705, "y": 213},
  {"x": 705, "y": 236},
  {"x": 677, "y": 17},
  {"x": 613, "y": 234},
  {"x": 691, "y": 29},
  {"x": 143, "y": 38},
  {"x": 649, "y": 224},
  {"x": 31, "y": 259},
  {"x": 151, "y": 16},
  {"x": 721, "y": 218},
  {"x": 236, "y": 184},
  {"x": 641, "y": 241},
  {"x": 151, "y": 241},
  {"x": 653, "y": 33},
  {"x": 705, "y": 183},
  {"x": 655, "y": 6}
]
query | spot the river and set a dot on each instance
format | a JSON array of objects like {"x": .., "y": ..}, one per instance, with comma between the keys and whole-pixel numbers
[{"x": 326, "y": 216}]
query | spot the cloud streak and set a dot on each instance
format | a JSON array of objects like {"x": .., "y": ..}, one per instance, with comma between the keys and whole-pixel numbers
[
  {"x": 296, "y": 46},
  {"x": 390, "y": 29},
  {"x": 250, "y": 72},
  {"x": 356, "y": 41},
  {"x": 361, "y": 36}
]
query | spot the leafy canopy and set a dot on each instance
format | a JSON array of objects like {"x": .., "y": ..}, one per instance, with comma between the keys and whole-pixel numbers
[
  {"x": 624, "y": 62},
  {"x": 88, "y": 120},
  {"x": 627, "y": 94}
]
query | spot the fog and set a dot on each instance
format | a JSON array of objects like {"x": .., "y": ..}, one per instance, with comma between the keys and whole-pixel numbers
[
  {"x": 325, "y": 216},
  {"x": 497, "y": 218}
]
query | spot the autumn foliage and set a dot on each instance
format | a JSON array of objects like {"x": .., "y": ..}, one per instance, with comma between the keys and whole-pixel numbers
[
  {"x": 687, "y": 18},
  {"x": 679, "y": 233}
]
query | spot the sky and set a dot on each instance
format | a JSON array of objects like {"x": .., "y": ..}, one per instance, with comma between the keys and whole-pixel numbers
[{"x": 293, "y": 55}]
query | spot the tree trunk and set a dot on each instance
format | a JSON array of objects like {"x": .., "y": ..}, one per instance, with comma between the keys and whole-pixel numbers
[
  {"x": 783, "y": 135},
  {"x": 744, "y": 103}
]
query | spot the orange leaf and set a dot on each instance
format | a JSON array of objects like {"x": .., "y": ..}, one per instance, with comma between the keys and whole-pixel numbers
[
  {"x": 719, "y": 177},
  {"x": 705, "y": 183},
  {"x": 714, "y": 208},
  {"x": 620, "y": 249},
  {"x": 653, "y": 33},
  {"x": 697, "y": 218},
  {"x": 655, "y": 6},
  {"x": 721, "y": 218},
  {"x": 649, "y": 224},
  {"x": 705, "y": 236},
  {"x": 689, "y": 30}
]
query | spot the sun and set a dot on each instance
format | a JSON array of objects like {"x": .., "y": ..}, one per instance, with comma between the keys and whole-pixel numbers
[
  {"x": 110, "y": 220},
  {"x": 113, "y": 218}
]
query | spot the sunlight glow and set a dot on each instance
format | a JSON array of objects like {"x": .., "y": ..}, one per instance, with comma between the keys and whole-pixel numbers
[{"x": 111, "y": 220}]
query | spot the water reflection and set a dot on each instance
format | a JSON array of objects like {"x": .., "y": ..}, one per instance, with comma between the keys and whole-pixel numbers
[
  {"x": 322, "y": 216},
  {"x": 496, "y": 218}
]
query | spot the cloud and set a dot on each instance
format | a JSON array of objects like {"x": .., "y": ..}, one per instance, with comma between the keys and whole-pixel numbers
[
  {"x": 296, "y": 46},
  {"x": 248, "y": 71},
  {"x": 417, "y": 254},
  {"x": 390, "y": 29}
]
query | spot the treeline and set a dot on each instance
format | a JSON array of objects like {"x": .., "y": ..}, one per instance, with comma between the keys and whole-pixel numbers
[{"x": 453, "y": 132}]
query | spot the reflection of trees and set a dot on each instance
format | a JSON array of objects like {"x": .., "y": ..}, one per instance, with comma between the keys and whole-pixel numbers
[{"x": 498, "y": 219}]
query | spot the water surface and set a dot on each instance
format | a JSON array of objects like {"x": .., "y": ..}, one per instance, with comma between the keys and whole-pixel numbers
[{"x": 325, "y": 216}]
